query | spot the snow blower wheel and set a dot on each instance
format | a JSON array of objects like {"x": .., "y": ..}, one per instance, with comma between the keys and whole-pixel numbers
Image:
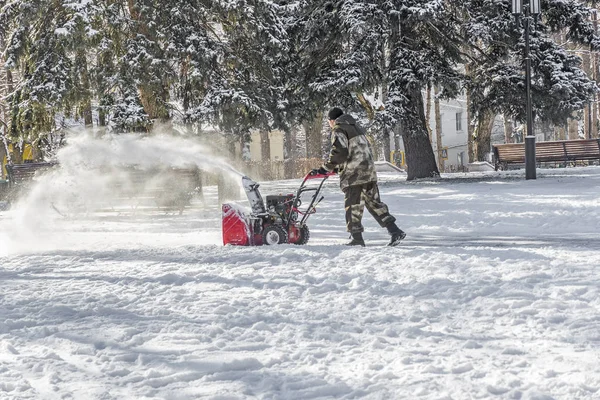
[
  {"x": 304, "y": 235},
  {"x": 274, "y": 234}
]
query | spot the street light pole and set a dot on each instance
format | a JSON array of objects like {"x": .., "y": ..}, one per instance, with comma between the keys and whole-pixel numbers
[{"x": 532, "y": 8}]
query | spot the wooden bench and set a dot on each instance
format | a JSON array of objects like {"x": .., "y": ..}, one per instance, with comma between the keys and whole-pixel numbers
[
  {"x": 165, "y": 188},
  {"x": 561, "y": 151},
  {"x": 21, "y": 175},
  {"x": 168, "y": 188}
]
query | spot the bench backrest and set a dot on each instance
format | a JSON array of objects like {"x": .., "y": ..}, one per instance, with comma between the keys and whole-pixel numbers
[
  {"x": 19, "y": 173},
  {"x": 561, "y": 150}
]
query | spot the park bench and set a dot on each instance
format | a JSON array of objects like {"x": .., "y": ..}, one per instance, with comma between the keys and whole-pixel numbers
[
  {"x": 165, "y": 188},
  {"x": 561, "y": 151},
  {"x": 169, "y": 188},
  {"x": 21, "y": 175}
]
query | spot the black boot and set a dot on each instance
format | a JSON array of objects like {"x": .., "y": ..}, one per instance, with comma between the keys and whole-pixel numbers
[
  {"x": 357, "y": 240},
  {"x": 396, "y": 234}
]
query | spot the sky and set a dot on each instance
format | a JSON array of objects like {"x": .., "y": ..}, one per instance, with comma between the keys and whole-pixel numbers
[{"x": 494, "y": 294}]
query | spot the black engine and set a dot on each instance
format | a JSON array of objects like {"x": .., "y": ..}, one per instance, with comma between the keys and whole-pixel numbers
[{"x": 280, "y": 203}]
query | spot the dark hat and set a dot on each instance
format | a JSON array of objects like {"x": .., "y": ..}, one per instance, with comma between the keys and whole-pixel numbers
[{"x": 335, "y": 113}]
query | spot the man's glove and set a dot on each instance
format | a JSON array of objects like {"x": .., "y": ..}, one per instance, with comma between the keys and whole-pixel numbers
[{"x": 319, "y": 171}]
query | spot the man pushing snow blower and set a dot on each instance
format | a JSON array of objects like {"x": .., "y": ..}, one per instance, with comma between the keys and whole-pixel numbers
[
  {"x": 281, "y": 219},
  {"x": 351, "y": 156}
]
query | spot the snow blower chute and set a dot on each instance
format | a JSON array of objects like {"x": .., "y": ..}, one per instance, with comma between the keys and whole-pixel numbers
[{"x": 280, "y": 220}]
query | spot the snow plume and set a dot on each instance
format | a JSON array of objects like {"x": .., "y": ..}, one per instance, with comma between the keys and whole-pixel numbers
[
  {"x": 85, "y": 151},
  {"x": 118, "y": 174}
]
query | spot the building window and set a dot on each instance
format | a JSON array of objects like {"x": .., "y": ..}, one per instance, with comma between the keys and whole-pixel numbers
[{"x": 459, "y": 122}]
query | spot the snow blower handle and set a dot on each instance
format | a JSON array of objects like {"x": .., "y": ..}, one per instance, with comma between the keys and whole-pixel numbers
[{"x": 319, "y": 173}]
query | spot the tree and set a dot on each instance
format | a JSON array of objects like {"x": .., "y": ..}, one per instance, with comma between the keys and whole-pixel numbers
[
  {"x": 395, "y": 47},
  {"x": 496, "y": 81}
]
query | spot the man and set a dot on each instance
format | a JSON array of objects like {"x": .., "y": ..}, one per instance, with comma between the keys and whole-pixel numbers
[{"x": 351, "y": 156}]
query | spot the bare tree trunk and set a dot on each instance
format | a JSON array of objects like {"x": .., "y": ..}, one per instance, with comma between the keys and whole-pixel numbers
[
  {"x": 594, "y": 68},
  {"x": 290, "y": 153},
  {"x": 314, "y": 136},
  {"x": 438, "y": 130},
  {"x": 428, "y": 111},
  {"x": 587, "y": 67},
  {"x": 387, "y": 146},
  {"x": 559, "y": 132},
  {"x": 4, "y": 113},
  {"x": 86, "y": 104},
  {"x": 573, "y": 128},
  {"x": 420, "y": 159},
  {"x": 508, "y": 129},
  {"x": 397, "y": 132},
  {"x": 470, "y": 127},
  {"x": 265, "y": 145},
  {"x": 483, "y": 134},
  {"x": 289, "y": 144}
]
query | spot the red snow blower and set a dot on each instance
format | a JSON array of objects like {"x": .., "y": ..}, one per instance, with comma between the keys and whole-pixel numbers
[{"x": 280, "y": 220}]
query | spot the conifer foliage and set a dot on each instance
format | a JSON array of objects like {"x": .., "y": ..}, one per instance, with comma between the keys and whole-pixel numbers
[{"x": 265, "y": 64}]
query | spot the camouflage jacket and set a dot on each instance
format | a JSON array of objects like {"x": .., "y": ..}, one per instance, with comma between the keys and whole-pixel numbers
[{"x": 350, "y": 153}]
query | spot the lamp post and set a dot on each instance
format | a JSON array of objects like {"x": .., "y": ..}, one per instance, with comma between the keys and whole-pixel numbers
[{"x": 531, "y": 8}]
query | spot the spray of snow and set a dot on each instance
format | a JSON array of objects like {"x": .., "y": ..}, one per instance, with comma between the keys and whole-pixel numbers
[{"x": 95, "y": 174}]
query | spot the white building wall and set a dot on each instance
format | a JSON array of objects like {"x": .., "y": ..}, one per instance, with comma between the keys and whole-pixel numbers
[
  {"x": 454, "y": 133},
  {"x": 276, "y": 140}
]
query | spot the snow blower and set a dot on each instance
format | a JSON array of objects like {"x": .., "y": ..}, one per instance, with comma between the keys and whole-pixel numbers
[{"x": 282, "y": 219}]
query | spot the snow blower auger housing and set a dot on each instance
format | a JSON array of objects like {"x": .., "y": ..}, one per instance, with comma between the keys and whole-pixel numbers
[{"x": 281, "y": 219}]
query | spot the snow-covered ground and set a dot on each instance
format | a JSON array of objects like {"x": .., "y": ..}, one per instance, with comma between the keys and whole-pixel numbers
[{"x": 494, "y": 294}]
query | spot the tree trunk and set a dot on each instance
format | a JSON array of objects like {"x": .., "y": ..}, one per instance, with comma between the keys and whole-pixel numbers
[
  {"x": 587, "y": 111},
  {"x": 559, "y": 132},
  {"x": 594, "y": 68},
  {"x": 289, "y": 144},
  {"x": 573, "y": 128},
  {"x": 8, "y": 84},
  {"x": 154, "y": 99},
  {"x": 586, "y": 121},
  {"x": 428, "y": 111},
  {"x": 86, "y": 103},
  {"x": 483, "y": 134},
  {"x": 470, "y": 127},
  {"x": 265, "y": 145},
  {"x": 387, "y": 147},
  {"x": 102, "y": 117},
  {"x": 290, "y": 153},
  {"x": 420, "y": 160},
  {"x": 508, "y": 129},
  {"x": 438, "y": 130},
  {"x": 313, "y": 130},
  {"x": 397, "y": 132}
]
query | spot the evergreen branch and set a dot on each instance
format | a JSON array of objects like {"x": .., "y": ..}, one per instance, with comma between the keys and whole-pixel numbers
[{"x": 450, "y": 40}]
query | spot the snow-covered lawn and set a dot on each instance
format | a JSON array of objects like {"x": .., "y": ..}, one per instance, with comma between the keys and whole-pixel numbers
[{"x": 494, "y": 294}]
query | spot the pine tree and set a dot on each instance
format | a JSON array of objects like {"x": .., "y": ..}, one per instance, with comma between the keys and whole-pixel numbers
[
  {"x": 559, "y": 85},
  {"x": 251, "y": 90},
  {"x": 353, "y": 48},
  {"x": 40, "y": 55}
]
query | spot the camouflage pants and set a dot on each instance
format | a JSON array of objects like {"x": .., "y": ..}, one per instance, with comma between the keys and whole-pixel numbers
[{"x": 359, "y": 196}]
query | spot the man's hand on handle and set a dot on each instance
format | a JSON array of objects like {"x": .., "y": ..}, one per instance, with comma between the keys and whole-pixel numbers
[{"x": 319, "y": 171}]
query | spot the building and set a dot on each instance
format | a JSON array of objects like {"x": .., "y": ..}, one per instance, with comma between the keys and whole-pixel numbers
[{"x": 276, "y": 145}]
